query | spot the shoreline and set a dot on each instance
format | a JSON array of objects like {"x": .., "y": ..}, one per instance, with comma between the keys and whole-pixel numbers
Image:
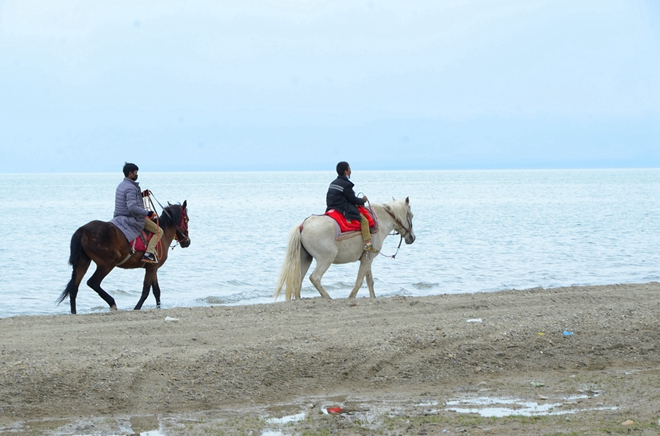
[
  {"x": 150, "y": 305},
  {"x": 186, "y": 360}
]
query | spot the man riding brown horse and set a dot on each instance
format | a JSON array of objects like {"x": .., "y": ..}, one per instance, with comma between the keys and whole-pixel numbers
[{"x": 130, "y": 216}]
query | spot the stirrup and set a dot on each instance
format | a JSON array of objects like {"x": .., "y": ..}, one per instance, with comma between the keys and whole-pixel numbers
[
  {"x": 369, "y": 247},
  {"x": 149, "y": 258}
]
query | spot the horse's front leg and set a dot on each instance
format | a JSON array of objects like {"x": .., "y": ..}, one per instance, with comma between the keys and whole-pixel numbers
[
  {"x": 364, "y": 270},
  {"x": 149, "y": 278},
  {"x": 156, "y": 290},
  {"x": 370, "y": 283}
]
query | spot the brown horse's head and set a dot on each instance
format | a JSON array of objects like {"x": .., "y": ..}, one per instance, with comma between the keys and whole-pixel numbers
[{"x": 177, "y": 215}]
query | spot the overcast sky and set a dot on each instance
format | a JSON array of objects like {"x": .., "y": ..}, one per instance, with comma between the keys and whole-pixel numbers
[{"x": 300, "y": 85}]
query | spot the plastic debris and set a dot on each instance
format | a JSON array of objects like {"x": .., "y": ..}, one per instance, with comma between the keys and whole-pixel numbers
[
  {"x": 567, "y": 333},
  {"x": 537, "y": 384},
  {"x": 474, "y": 320},
  {"x": 334, "y": 410},
  {"x": 170, "y": 319}
]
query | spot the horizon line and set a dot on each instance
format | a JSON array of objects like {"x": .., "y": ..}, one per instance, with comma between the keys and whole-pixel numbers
[{"x": 362, "y": 170}]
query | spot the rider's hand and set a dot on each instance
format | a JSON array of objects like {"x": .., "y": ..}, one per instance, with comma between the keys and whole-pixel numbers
[
  {"x": 364, "y": 197},
  {"x": 150, "y": 214}
]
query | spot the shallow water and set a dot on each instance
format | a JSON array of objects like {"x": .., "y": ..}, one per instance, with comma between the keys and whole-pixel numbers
[
  {"x": 493, "y": 407},
  {"x": 476, "y": 231}
]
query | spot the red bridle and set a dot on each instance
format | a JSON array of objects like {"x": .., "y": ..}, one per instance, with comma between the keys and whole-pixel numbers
[{"x": 183, "y": 225}]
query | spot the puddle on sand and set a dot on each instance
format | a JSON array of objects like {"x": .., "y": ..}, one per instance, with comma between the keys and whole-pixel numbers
[
  {"x": 286, "y": 419},
  {"x": 428, "y": 403},
  {"x": 501, "y": 407},
  {"x": 156, "y": 425},
  {"x": 121, "y": 425},
  {"x": 367, "y": 412},
  {"x": 281, "y": 421}
]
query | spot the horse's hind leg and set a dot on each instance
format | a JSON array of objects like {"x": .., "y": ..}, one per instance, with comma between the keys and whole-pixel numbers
[
  {"x": 315, "y": 277},
  {"x": 95, "y": 280},
  {"x": 76, "y": 277},
  {"x": 305, "y": 263}
]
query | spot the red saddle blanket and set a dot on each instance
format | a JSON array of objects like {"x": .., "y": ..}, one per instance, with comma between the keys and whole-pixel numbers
[
  {"x": 350, "y": 225},
  {"x": 140, "y": 243}
]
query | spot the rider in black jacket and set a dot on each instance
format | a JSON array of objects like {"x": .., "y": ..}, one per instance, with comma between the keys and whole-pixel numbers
[{"x": 341, "y": 197}]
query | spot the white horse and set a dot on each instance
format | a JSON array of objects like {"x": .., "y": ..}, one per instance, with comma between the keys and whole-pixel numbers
[{"x": 316, "y": 239}]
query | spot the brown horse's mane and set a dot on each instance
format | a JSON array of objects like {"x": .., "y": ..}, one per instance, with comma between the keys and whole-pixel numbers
[{"x": 171, "y": 215}]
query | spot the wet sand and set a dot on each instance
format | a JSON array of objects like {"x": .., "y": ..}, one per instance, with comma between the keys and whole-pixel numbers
[{"x": 391, "y": 364}]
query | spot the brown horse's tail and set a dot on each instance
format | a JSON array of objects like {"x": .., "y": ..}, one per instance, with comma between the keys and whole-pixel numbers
[
  {"x": 76, "y": 248},
  {"x": 76, "y": 255}
]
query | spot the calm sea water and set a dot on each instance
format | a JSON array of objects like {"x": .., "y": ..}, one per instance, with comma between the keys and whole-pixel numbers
[{"x": 476, "y": 231}]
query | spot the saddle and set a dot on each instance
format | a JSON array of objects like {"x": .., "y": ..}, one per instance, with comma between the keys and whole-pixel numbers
[
  {"x": 346, "y": 225},
  {"x": 140, "y": 243}
]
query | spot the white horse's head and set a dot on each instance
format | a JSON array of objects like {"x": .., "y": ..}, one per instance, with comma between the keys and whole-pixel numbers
[{"x": 403, "y": 216}]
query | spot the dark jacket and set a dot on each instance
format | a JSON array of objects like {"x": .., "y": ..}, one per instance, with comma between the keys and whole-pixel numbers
[
  {"x": 342, "y": 198},
  {"x": 129, "y": 213}
]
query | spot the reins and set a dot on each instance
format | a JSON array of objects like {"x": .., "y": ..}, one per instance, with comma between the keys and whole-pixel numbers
[
  {"x": 396, "y": 220},
  {"x": 150, "y": 206},
  {"x": 151, "y": 194},
  {"x": 397, "y": 249}
]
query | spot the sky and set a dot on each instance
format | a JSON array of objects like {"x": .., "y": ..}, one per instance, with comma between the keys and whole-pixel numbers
[{"x": 287, "y": 85}]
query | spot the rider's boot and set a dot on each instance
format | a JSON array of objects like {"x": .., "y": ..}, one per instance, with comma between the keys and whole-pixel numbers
[
  {"x": 368, "y": 246},
  {"x": 149, "y": 258}
]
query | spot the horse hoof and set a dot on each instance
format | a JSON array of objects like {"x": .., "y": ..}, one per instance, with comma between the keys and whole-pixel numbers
[{"x": 113, "y": 308}]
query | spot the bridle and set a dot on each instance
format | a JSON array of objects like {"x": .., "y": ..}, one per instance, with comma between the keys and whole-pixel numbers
[
  {"x": 399, "y": 223},
  {"x": 401, "y": 226},
  {"x": 181, "y": 226}
]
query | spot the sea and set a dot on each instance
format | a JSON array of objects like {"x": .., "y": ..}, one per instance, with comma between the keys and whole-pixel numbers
[{"x": 477, "y": 231}]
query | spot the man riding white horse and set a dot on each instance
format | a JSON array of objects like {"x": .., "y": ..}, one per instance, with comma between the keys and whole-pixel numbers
[
  {"x": 341, "y": 198},
  {"x": 317, "y": 239}
]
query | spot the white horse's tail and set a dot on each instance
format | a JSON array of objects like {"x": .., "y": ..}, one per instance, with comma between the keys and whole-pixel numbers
[{"x": 290, "y": 274}]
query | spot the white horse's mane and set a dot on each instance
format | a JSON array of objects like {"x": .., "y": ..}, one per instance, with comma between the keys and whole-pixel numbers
[{"x": 397, "y": 207}]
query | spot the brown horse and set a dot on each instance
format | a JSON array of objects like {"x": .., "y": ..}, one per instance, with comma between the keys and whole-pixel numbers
[{"x": 107, "y": 246}]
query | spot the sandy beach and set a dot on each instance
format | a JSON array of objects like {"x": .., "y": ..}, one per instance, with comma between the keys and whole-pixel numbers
[{"x": 392, "y": 366}]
